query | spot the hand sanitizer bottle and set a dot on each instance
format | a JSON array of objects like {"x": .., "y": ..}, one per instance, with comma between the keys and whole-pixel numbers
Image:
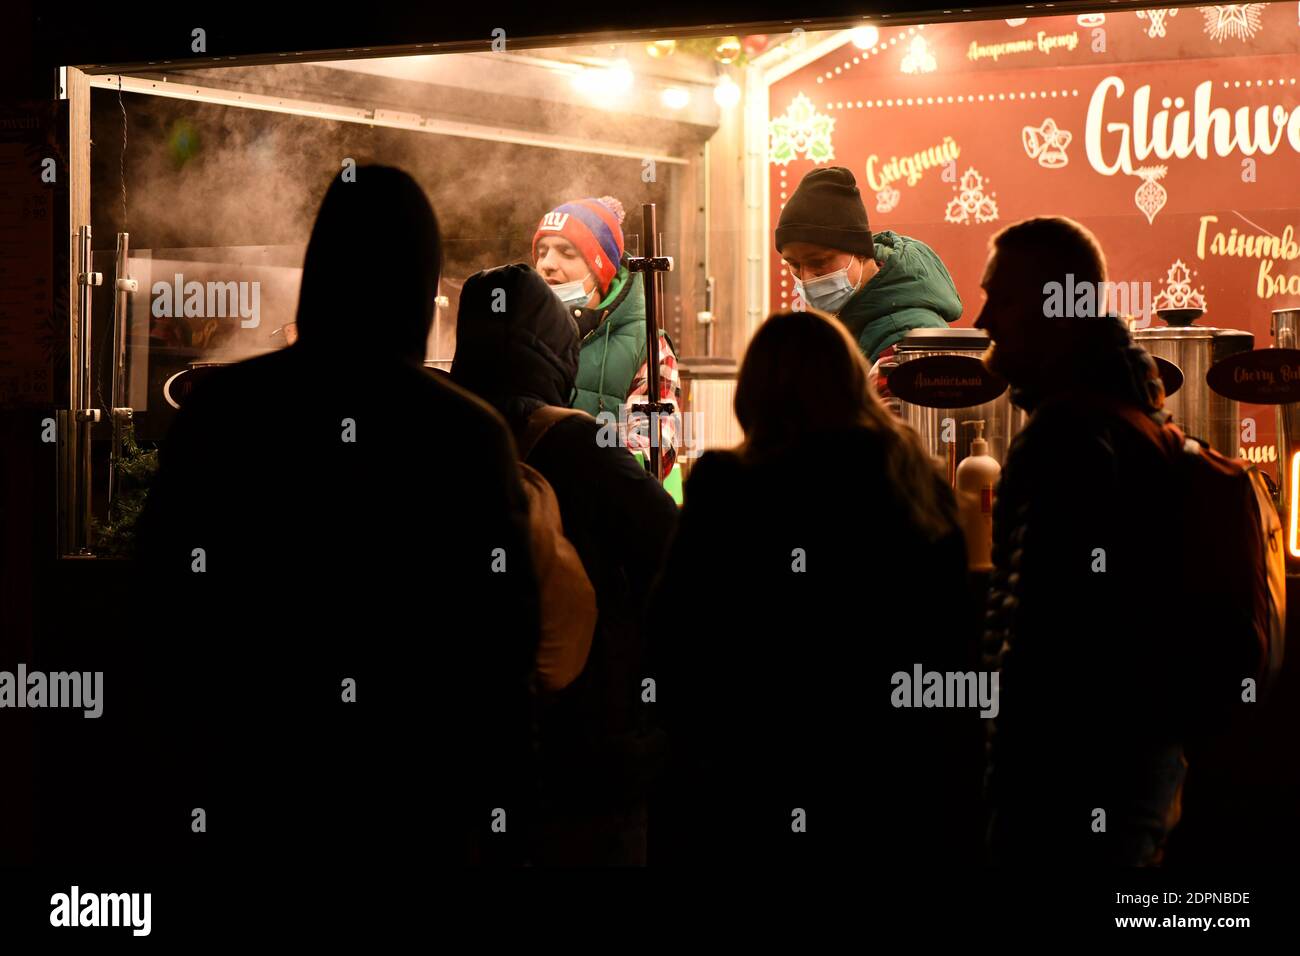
[{"x": 976, "y": 477}]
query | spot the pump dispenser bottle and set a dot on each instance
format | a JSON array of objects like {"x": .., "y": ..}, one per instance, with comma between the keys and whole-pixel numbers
[{"x": 976, "y": 477}]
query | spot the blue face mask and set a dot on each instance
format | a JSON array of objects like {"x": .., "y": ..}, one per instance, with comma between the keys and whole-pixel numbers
[
  {"x": 572, "y": 294},
  {"x": 828, "y": 292}
]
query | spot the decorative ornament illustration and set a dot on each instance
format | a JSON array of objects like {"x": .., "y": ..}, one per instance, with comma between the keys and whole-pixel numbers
[
  {"x": 1157, "y": 20},
  {"x": 1090, "y": 19},
  {"x": 1178, "y": 292},
  {"x": 1239, "y": 20},
  {"x": 972, "y": 202},
  {"x": 887, "y": 199},
  {"x": 1151, "y": 196},
  {"x": 801, "y": 130},
  {"x": 1047, "y": 144},
  {"x": 1018, "y": 22},
  {"x": 919, "y": 59}
]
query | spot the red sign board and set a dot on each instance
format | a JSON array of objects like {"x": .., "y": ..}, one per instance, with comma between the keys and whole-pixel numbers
[
  {"x": 1173, "y": 134},
  {"x": 945, "y": 381},
  {"x": 1264, "y": 376}
]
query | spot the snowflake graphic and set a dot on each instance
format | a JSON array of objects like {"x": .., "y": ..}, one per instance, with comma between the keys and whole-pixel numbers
[
  {"x": 1157, "y": 20},
  {"x": 1240, "y": 20},
  {"x": 801, "y": 130},
  {"x": 887, "y": 199},
  {"x": 1178, "y": 292},
  {"x": 919, "y": 59}
]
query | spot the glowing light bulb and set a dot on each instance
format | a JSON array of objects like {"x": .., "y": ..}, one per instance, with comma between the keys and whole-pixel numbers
[
  {"x": 1292, "y": 505},
  {"x": 726, "y": 94},
  {"x": 620, "y": 77},
  {"x": 675, "y": 98},
  {"x": 864, "y": 38},
  {"x": 615, "y": 80}
]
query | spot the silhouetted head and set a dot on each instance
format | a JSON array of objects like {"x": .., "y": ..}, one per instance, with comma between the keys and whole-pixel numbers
[
  {"x": 803, "y": 375},
  {"x": 802, "y": 372},
  {"x": 370, "y": 276},
  {"x": 516, "y": 343},
  {"x": 1026, "y": 259}
]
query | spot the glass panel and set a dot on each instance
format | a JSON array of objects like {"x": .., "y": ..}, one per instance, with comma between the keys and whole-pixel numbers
[
  {"x": 198, "y": 306},
  {"x": 952, "y": 131}
]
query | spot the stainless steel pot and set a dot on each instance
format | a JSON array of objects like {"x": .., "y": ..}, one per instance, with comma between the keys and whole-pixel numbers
[
  {"x": 1197, "y": 409},
  {"x": 1285, "y": 328},
  {"x": 947, "y": 432}
]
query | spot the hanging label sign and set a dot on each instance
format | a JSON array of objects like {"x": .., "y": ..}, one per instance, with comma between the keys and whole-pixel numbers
[
  {"x": 177, "y": 388},
  {"x": 1261, "y": 377},
  {"x": 1170, "y": 374},
  {"x": 945, "y": 381}
]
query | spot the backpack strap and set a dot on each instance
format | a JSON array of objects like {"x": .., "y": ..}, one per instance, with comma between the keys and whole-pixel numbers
[{"x": 539, "y": 423}]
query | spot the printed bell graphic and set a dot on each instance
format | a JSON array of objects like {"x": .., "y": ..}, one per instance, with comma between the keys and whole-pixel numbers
[{"x": 1047, "y": 144}]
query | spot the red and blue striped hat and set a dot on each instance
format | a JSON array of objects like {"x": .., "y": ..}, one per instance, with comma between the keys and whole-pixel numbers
[{"x": 594, "y": 226}]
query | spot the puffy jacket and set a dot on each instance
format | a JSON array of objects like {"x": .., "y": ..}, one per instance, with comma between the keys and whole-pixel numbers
[
  {"x": 912, "y": 290},
  {"x": 615, "y": 348}
]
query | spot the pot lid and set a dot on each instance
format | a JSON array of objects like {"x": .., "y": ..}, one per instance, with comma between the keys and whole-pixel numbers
[
  {"x": 1187, "y": 332},
  {"x": 938, "y": 339}
]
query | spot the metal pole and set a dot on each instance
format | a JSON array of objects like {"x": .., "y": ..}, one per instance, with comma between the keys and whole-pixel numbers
[
  {"x": 650, "y": 227},
  {"x": 650, "y": 265},
  {"x": 86, "y": 415},
  {"x": 123, "y": 286},
  {"x": 706, "y": 318}
]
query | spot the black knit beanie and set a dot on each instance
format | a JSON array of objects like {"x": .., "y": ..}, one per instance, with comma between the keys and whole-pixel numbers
[{"x": 827, "y": 209}]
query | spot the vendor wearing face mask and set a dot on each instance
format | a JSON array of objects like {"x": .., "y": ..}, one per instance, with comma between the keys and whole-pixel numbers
[
  {"x": 881, "y": 287},
  {"x": 578, "y": 249}
]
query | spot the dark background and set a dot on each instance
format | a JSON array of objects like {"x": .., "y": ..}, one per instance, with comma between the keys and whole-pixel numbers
[{"x": 87, "y": 766}]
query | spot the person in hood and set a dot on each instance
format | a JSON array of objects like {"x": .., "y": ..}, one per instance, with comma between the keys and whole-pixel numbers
[
  {"x": 366, "y": 616},
  {"x": 578, "y": 250},
  {"x": 879, "y": 286},
  {"x": 597, "y": 758}
]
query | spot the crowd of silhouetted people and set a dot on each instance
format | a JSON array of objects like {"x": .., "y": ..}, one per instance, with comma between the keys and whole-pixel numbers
[{"x": 442, "y": 615}]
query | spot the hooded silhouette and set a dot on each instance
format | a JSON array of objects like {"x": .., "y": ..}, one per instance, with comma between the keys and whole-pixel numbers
[
  {"x": 517, "y": 347},
  {"x": 365, "y": 619},
  {"x": 371, "y": 271}
]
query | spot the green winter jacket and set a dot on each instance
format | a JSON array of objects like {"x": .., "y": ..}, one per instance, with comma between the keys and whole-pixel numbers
[
  {"x": 614, "y": 351},
  {"x": 912, "y": 290}
]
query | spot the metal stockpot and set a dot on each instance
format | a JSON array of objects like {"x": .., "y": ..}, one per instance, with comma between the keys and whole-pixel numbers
[
  {"x": 950, "y": 443},
  {"x": 1285, "y": 327},
  {"x": 1197, "y": 409}
]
